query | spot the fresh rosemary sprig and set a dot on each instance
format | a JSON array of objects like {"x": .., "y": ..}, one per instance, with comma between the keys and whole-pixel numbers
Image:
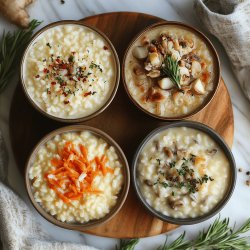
[
  {"x": 11, "y": 49},
  {"x": 177, "y": 244},
  {"x": 219, "y": 236},
  {"x": 171, "y": 69},
  {"x": 128, "y": 244}
]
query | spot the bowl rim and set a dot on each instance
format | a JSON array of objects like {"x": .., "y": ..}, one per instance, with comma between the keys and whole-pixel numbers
[
  {"x": 222, "y": 144},
  {"x": 116, "y": 69},
  {"x": 121, "y": 196},
  {"x": 216, "y": 61}
]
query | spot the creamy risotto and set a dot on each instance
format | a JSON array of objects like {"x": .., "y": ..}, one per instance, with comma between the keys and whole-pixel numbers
[
  {"x": 169, "y": 71},
  {"x": 69, "y": 71},
  {"x": 183, "y": 173},
  {"x": 76, "y": 177}
]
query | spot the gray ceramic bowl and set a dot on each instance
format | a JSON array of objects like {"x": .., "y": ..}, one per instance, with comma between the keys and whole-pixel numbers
[
  {"x": 116, "y": 70},
  {"x": 218, "y": 139},
  {"x": 121, "y": 196}
]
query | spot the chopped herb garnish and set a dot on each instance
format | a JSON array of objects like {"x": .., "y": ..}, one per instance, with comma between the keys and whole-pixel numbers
[
  {"x": 94, "y": 65},
  {"x": 183, "y": 176},
  {"x": 71, "y": 58},
  {"x": 159, "y": 161},
  {"x": 172, "y": 164},
  {"x": 48, "y": 44},
  {"x": 59, "y": 79},
  {"x": 164, "y": 184},
  {"x": 192, "y": 157}
]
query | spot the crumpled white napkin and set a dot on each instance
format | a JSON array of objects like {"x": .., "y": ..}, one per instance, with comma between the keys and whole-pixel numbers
[
  {"x": 18, "y": 227},
  {"x": 229, "y": 21}
]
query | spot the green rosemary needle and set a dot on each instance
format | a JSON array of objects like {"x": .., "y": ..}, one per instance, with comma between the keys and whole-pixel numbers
[
  {"x": 171, "y": 69},
  {"x": 11, "y": 49},
  {"x": 219, "y": 236},
  {"x": 128, "y": 244}
]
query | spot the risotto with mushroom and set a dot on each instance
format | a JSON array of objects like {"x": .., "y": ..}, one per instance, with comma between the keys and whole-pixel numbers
[
  {"x": 183, "y": 173},
  {"x": 169, "y": 71}
]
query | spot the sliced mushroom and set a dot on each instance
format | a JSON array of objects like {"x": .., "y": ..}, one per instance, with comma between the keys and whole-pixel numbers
[
  {"x": 161, "y": 49},
  {"x": 149, "y": 183},
  {"x": 185, "y": 75},
  {"x": 182, "y": 63},
  {"x": 212, "y": 152},
  {"x": 174, "y": 204},
  {"x": 154, "y": 73},
  {"x": 181, "y": 153},
  {"x": 185, "y": 50},
  {"x": 175, "y": 55},
  {"x": 167, "y": 45},
  {"x": 163, "y": 36},
  {"x": 165, "y": 83},
  {"x": 183, "y": 43},
  {"x": 145, "y": 41},
  {"x": 176, "y": 44},
  {"x": 188, "y": 66},
  {"x": 190, "y": 43},
  {"x": 198, "y": 87},
  {"x": 196, "y": 69},
  {"x": 168, "y": 152},
  {"x": 154, "y": 59},
  {"x": 185, "y": 80},
  {"x": 184, "y": 71},
  {"x": 140, "y": 52},
  {"x": 139, "y": 72},
  {"x": 148, "y": 66}
]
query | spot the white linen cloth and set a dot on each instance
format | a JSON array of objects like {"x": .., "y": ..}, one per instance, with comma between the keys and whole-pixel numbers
[
  {"x": 18, "y": 227},
  {"x": 229, "y": 21}
]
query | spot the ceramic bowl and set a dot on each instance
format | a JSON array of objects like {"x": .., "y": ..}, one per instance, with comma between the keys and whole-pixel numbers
[
  {"x": 211, "y": 48},
  {"x": 221, "y": 143},
  {"x": 121, "y": 196},
  {"x": 90, "y": 115}
]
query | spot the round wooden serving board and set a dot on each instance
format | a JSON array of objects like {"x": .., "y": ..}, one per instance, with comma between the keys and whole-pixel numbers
[{"x": 122, "y": 121}]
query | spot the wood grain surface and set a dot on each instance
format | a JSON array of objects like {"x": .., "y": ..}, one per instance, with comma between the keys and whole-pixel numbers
[{"x": 122, "y": 121}]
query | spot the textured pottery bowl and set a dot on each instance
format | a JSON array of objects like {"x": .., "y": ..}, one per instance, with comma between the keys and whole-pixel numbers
[
  {"x": 222, "y": 144},
  {"x": 116, "y": 70},
  {"x": 121, "y": 196},
  {"x": 216, "y": 62}
]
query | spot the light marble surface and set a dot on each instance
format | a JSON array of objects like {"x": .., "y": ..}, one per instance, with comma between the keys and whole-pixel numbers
[{"x": 181, "y": 10}]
